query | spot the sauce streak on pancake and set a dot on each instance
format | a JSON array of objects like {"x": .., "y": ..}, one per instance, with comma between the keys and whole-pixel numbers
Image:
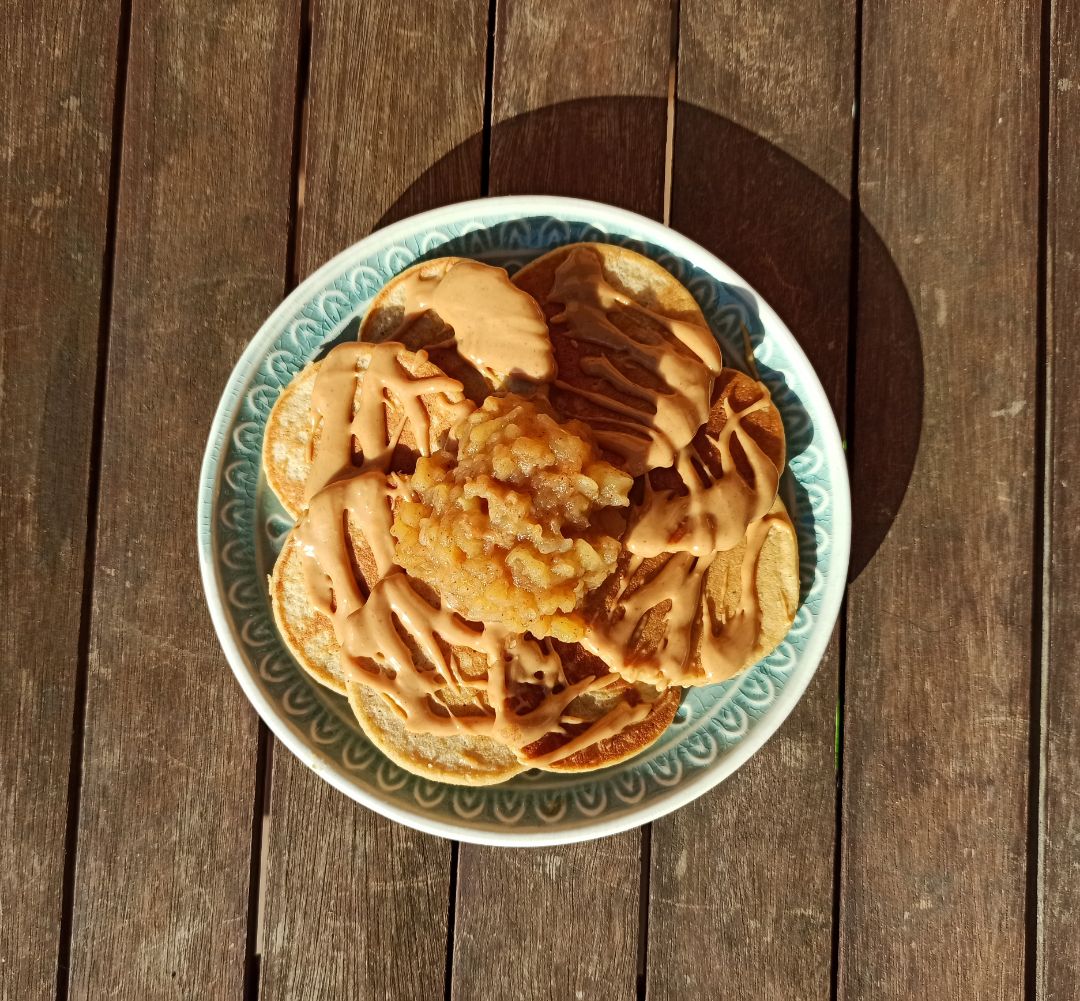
[
  {"x": 645, "y": 426},
  {"x": 679, "y": 583},
  {"x": 708, "y": 514},
  {"x": 705, "y": 516},
  {"x": 497, "y": 327},
  {"x": 342, "y": 426}
]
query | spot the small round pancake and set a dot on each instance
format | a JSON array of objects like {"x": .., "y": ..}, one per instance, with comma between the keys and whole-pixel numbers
[
  {"x": 466, "y": 760},
  {"x": 386, "y": 314},
  {"x": 639, "y": 277},
  {"x": 290, "y": 441},
  {"x": 307, "y": 633},
  {"x": 777, "y": 585},
  {"x": 715, "y": 630},
  {"x": 287, "y": 441},
  {"x": 593, "y": 706},
  {"x": 646, "y": 283}
]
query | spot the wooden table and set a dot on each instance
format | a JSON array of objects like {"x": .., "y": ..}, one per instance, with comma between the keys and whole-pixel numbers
[{"x": 897, "y": 177}]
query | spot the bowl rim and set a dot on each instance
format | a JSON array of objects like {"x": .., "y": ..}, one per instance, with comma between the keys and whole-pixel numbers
[{"x": 814, "y": 399}]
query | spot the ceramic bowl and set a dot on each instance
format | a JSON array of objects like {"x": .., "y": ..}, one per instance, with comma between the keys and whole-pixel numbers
[{"x": 241, "y": 527}]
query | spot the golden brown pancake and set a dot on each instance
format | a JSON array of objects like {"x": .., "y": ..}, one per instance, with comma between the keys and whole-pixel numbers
[
  {"x": 587, "y": 388},
  {"x": 307, "y": 633},
  {"x": 465, "y": 760},
  {"x": 776, "y": 581},
  {"x": 291, "y": 439},
  {"x": 628, "y": 741},
  {"x": 722, "y": 629},
  {"x": 683, "y": 617},
  {"x": 287, "y": 441}
]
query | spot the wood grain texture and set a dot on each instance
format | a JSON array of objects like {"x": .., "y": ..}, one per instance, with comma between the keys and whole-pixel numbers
[
  {"x": 939, "y": 642},
  {"x": 557, "y": 129},
  {"x": 1060, "y": 961},
  {"x": 607, "y": 145},
  {"x": 169, "y": 770},
  {"x": 356, "y": 904},
  {"x": 573, "y": 909},
  {"x": 56, "y": 106},
  {"x": 742, "y": 879}
]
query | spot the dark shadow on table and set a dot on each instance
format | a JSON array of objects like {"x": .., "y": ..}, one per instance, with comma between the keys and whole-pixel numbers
[{"x": 783, "y": 228}]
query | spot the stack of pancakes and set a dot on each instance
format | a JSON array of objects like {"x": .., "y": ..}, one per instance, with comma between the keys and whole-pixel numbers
[{"x": 707, "y": 580}]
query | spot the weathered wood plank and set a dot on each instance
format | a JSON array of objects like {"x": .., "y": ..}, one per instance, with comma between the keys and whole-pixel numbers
[
  {"x": 554, "y": 132},
  {"x": 742, "y": 879},
  {"x": 165, "y": 829},
  {"x": 939, "y": 641},
  {"x": 357, "y": 905},
  {"x": 56, "y": 112},
  {"x": 609, "y": 143},
  {"x": 1060, "y": 975}
]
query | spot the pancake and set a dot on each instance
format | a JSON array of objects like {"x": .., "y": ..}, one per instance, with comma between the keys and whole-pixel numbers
[
  {"x": 287, "y": 442},
  {"x": 465, "y": 760},
  {"x": 635, "y": 357},
  {"x": 680, "y": 619},
  {"x": 724, "y": 479},
  {"x": 292, "y": 439},
  {"x": 708, "y": 582},
  {"x": 515, "y": 355},
  {"x": 594, "y": 706},
  {"x": 473, "y": 760},
  {"x": 724, "y": 651},
  {"x": 307, "y": 633}
]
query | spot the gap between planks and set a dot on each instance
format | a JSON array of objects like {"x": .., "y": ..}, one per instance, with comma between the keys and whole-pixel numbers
[
  {"x": 78, "y": 723},
  {"x": 848, "y": 437},
  {"x": 1034, "y": 969},
  {"x": 264, "y": 759}
]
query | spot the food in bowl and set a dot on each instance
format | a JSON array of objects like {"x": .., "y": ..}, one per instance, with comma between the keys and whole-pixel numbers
[{"x": 529, "y": 512}]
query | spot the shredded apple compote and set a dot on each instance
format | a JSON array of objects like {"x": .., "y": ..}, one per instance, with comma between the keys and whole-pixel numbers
[{"x": 519, "y": 524}]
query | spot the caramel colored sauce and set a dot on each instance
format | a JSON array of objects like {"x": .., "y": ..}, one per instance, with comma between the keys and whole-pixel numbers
[
  {"x": 393, "y": 639},
  {"x": 708, "y": 514},
  {"x": 498, "y": 328},
  {"x": 348, "y": 407},
  {"x": 421, "y": 656},
  {"x": 650, "y": 431},
  {"x": 693, "y": 650}
]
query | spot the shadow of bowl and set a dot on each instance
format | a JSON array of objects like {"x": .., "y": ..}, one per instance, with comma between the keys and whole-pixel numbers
[{"x": 781, "y": 226}]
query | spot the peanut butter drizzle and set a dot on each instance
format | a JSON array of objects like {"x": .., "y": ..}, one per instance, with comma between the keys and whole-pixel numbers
[
  {"x": 379, "y": 632},
  {"x": 709, "y": 513},
  {"x": 651, "y": 435},
  {"x": 497, "y": 327},
  {"x": 343, "y": 415},
  {"x": 326, "y": 547},
  {"x": 680, "y": 582},
  {"x": 420, "y": 693}
]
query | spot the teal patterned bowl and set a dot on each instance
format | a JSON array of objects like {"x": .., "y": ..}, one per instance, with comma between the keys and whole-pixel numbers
[{"x": 241, "y": 526}]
